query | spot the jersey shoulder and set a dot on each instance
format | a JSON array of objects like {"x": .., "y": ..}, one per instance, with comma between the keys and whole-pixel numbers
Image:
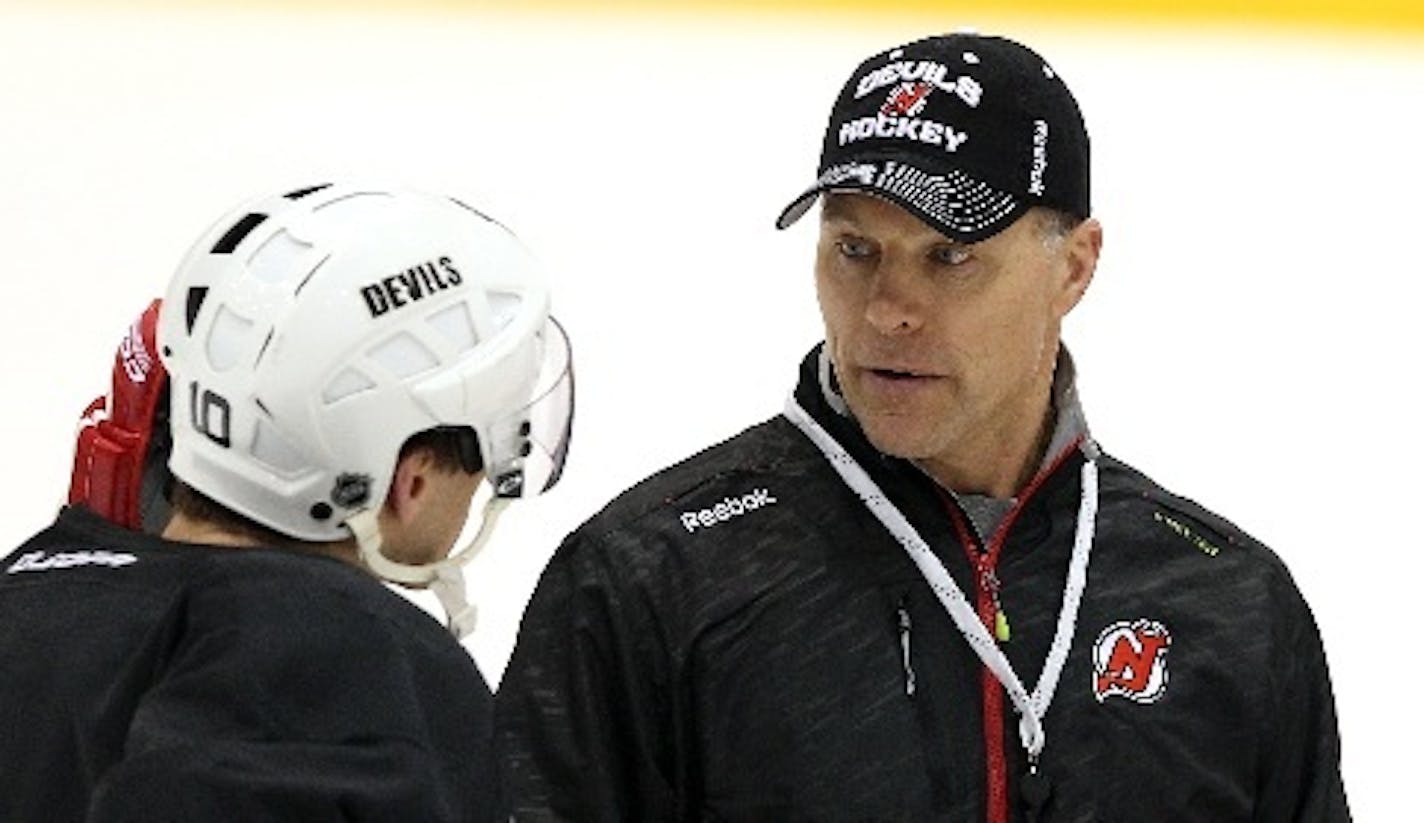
[
  {"x": 1162, "y": 515},
  {"x": 742, "y": 472},
  {"x": 85, "y": 562}
]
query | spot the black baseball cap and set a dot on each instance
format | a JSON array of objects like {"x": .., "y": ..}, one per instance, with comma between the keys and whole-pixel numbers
[{"x": 965, "y": 131}]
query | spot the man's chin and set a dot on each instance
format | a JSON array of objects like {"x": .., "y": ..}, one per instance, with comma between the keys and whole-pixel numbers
[{"x": 897, "y": 436}]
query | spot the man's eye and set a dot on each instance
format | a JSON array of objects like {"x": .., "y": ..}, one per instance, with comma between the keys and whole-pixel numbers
[
  {"x": 954, "y": 255},
  {"x": 854, "y": 248}
]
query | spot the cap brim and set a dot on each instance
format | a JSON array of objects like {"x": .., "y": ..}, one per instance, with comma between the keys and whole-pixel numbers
[
  {"x": 798, "y": 207},
  {"x": 958, "y": 206}
]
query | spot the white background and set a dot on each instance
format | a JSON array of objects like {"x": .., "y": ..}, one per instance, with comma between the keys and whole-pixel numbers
[{"x": 1251, "y": 339}]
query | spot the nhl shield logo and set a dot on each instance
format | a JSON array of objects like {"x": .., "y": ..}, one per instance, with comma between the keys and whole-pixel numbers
[{"x": 1130, "y": 660}]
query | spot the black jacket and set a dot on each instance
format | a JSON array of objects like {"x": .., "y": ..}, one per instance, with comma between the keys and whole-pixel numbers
[
  {"x": 146, "y": 680},
  {"x": 737, "y": 638}
]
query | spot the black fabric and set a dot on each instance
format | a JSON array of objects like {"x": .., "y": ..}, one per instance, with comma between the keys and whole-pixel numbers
[
  {"x": 147, "y": 680},
  {"x": 752, "y": 669}
]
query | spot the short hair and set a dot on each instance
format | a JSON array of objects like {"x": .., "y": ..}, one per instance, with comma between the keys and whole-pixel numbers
[
  {"x": 195, "y": 505},
  {"x": 1056, "y": 224},
  {"x": 451, "y": 448}
]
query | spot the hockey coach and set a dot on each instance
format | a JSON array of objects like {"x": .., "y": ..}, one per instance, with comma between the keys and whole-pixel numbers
[
  {"x": 924, "y": 593},
  {"x": 348, "y": 368}
]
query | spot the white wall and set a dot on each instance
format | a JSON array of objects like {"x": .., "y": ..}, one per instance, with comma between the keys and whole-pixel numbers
[{"x": 1250, "y": 340}]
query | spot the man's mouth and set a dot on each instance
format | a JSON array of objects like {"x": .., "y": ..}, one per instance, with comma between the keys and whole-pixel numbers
[{"x": 899, "y": 374}]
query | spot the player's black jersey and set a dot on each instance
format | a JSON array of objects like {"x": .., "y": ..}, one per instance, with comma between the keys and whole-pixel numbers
[
  {"x": 147, "y": 680},
  {"x": 738, "y": 638}
]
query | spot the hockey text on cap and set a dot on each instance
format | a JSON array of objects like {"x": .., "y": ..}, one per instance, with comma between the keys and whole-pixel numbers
[{"x": 902, "y": 128}]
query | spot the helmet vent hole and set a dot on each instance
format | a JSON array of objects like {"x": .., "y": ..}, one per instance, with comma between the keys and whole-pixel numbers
[
  {"x": 345, "y": 384},
  {"x": 403, "y": 355},
  {"x": 300, "y": 193},
  {"x": 235, "y": 235},
  {"x": 321, "y": 511},
  {"x": 454, "y": 324},
  {"x": 196, "y": 296},
  {"x": 227, "y": 338},
  {"x": 504, "y": 307},
  {"x": 276, "y": 260}
]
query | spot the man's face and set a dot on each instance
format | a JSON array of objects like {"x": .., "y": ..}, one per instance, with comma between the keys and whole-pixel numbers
[{"x": 944, "y": 349}]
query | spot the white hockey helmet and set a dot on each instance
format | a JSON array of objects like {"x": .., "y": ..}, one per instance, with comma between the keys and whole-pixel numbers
[{"x": 309, "y": 335}]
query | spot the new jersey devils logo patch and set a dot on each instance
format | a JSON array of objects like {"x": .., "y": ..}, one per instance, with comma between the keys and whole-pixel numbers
[
  {"x": 907, "y": 100},
  {"x": 1130, "y": 660}
]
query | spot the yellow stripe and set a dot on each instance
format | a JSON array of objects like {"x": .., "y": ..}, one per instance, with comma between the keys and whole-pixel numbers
[
  {"x": 1379, "y": 15},
  {"x": 1391, "y": 17}
]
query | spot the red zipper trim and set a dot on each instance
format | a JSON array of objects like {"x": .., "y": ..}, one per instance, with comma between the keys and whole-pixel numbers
[
  {"x": 996, "y": 543},
  {"x": 984, "y": 562},
  {"x": 996, "y": 769}
]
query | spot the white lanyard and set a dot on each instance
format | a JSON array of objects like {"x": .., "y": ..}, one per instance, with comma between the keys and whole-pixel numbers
[{"x": 1031, "y": 707}]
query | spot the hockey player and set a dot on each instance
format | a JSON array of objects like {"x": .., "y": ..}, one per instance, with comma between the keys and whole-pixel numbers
[
  {"x": 924, "y": 592},
  {"x": 347, "y": 366}
]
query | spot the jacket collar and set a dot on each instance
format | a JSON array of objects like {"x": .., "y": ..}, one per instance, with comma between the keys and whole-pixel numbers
[{"x": 818, "y": 392}]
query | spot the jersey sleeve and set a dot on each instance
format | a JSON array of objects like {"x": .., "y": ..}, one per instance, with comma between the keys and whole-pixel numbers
[
  {"x": 277, "y": 702},
  {"x": 1301, "y": 779},
  {"x": 584, "y": 721}
]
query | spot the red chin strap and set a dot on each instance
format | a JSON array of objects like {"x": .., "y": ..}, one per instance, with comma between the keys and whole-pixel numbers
[{"x": 121, "y": 453}]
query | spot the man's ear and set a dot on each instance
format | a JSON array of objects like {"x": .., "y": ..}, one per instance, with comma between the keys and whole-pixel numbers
[
  {"x": 1080, "y": 251},
  {"x": 409, "y": 485}
]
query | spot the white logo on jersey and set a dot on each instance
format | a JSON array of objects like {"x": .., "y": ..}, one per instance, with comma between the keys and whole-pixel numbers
[
  {"x": 729, "y": 507},
  {"x": 37, "y": 562}
]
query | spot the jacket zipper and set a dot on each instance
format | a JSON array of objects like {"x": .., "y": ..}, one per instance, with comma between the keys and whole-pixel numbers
[
  {"x": 984, "y": 560},
  {"x": 996, "y": 769}
]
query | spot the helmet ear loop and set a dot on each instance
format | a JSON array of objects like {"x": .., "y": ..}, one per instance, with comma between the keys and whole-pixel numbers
[
  {"x": 445, "y": 579},
  {"x": 449, "y": 583}
]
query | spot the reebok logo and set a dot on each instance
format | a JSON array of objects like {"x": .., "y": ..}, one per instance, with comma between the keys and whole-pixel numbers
[
  {"x": 729, "y": 508},
  {"x": 1040, "y": 157},
  {"x": 38, "y": 562}
]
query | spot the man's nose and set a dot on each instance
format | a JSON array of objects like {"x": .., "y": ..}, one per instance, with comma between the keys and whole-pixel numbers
[{"x": 893, "y": 304}]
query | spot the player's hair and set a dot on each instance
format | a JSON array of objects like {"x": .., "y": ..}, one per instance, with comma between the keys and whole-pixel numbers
[
  {"x": 1055, "y": 224},
  {"x": 450, "y": 449}
]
